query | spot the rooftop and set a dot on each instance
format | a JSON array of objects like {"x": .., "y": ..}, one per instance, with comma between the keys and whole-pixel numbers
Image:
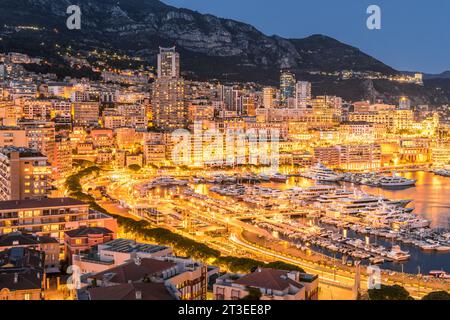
[
  {"x": 268, "y": 279},
  {"x": 23, "y": 152},
  {"x": 131, "y": 291},
  {"x": 20, "y": 239},
  {"x": 133, "y": 271},
  {"x": 40, "y": 203},
  {"x": 85, "y": 231},
  {"x": 130, "y": 246}
]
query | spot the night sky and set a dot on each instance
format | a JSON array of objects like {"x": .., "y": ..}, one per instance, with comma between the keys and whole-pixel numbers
[{"x": 415, "y": 35}]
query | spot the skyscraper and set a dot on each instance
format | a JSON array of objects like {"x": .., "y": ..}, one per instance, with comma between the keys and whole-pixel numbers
[
  {"x": 287, "y": 87},
  {"x": 170, "y": 110},
  {"x": 302, "y": 94},
  {"x": 268, "y": 97},
  {"x": 168, "y": 63}
]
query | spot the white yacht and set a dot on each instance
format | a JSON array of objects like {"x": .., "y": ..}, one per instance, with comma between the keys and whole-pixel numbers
[
  {"x": 396, "y": 182},
  {"x": 322, "y": 173},
  {"x": 397, "y": 254},
  {"x": 442, "y": 172}
]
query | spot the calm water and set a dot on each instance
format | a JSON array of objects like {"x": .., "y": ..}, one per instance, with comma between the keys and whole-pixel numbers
[{"x": 431, "y": 197}]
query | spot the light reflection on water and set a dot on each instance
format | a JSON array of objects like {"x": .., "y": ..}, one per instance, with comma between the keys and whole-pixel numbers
[{"x": 431, "y": 197}]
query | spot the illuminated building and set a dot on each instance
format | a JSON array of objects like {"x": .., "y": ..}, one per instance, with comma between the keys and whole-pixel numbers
[
  {"x": 199, "y": 110},
  {"x": 268, "y": 97},
  {"x": 128, "y": 138},
  {"x": 62, "y": 164},
  {"x": 24, "y": 174},
  {"x": 102, "y": 138},
  {"x": 440, "y": 155},
  {"x": 283, "y": 285},
  {"x": 350, "y": 157},
  {"x": 40, "y": 136},
  {"x": 359, "y": 157},
  {"x": 94, "y": 254},
  {"x": 13, "y": 136},
  {"x": 186, "y": 278},
  {"x": 22, "y": 275},
  {"x": 154, "y": 148},
  {"x": 287, "y": 87},
  {"x": 50, "y": 217},
  {"x": 50, "y": 246},
  {"x": 85, "y": 113},
  {"x": 362, "y": 132},
  {"x": 84, "y": 238},
  {"x": 168, "y": 63},
  {"x": 169, "y": 105},
  {"x": 302, "y": 94},
  {"x": 405, "y": 103},
  {"x": 414, "y": 150}
]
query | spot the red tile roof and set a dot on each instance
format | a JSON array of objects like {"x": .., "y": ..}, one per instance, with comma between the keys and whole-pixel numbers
[
  {"x": 135, "y": 272},
  {"x": 268, "y": 279},
  {"x": 127, "y": 291}
]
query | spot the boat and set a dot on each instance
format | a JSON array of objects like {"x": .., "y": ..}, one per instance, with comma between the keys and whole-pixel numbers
[
  {"x": 322, "y": 173},
  {"x": 443, "y": 248},
  {"x": 439, "y": 274},
  {"x": 442, "y": 172},
  {"x": 396, "y": 182},
  {"x": 278, "y": 177},
  {"x": 397, "y": 254}
]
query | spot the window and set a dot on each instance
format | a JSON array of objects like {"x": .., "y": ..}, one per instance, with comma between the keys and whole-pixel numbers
[{"x": 27, "y": 296}]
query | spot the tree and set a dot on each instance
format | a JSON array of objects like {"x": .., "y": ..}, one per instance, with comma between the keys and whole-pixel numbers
[
  {"x": 437, "y": 295},
  {"x": 134, "y": 167},
  {"x": 394, "y": 292},
  {"x": 253, "y": 294},
  {"x": 280, "y": 265}
]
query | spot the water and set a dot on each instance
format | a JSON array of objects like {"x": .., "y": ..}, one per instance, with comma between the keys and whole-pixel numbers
[{"x": 431, "y": 197}]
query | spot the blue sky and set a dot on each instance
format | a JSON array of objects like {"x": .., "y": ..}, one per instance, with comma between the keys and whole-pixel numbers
[{"x": 415, "y": 34}]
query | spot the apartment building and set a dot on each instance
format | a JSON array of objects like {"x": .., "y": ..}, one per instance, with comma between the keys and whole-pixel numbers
[
  {"x": 273, "y": 285},
  {"x": 21, "y": 274},
  {"x": 24, "y": 174},
  {"x": 50, "y": 246},
  {"x": 85, "y": 113},
  {"x": 13, "y": 136},
  {"x": 185, "y": 278},
  {"x": 83, "y": 239},
  {"x": 116, "y": 252},
  {"x": 50, "y": 217}
]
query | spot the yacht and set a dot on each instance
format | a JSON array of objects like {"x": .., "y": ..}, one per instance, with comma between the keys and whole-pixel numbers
[
  {"x": 397, "y": 254},
  {"x": 396, "y": 182},
  {"x": 322, "y": 173},
  {"x": 442, "y": 172},
  {"x": 279, "y": 177}
]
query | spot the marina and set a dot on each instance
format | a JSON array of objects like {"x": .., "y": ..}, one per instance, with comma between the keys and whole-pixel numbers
[{"x": 381, "y": 226}]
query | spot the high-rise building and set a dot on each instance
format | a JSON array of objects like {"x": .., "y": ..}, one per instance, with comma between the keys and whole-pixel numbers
[
  {"x": 24, "y": 174},
  {"x": 168, "y": 63},
  {"x": 268, "y": 97},
  {"x": 169, "y": 105},
  {"x": 62, "y": 164},
  {"x": 302, "y": 94},
  {"x": 85, "y": 113},
  {"x": 170, "y": 109},
  {"x": 405, "y": 103},
  {"x": 40, "y": 136},
  {"x": 287, "y": 87}
]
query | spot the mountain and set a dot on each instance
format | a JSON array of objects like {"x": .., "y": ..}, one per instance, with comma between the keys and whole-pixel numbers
[
  {"x": 443, "y": 75},
  {"x": 211, "y": 47}
]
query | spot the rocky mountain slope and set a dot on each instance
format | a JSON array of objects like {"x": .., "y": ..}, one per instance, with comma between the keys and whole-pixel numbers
[{"x": 238, "y": 51}]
